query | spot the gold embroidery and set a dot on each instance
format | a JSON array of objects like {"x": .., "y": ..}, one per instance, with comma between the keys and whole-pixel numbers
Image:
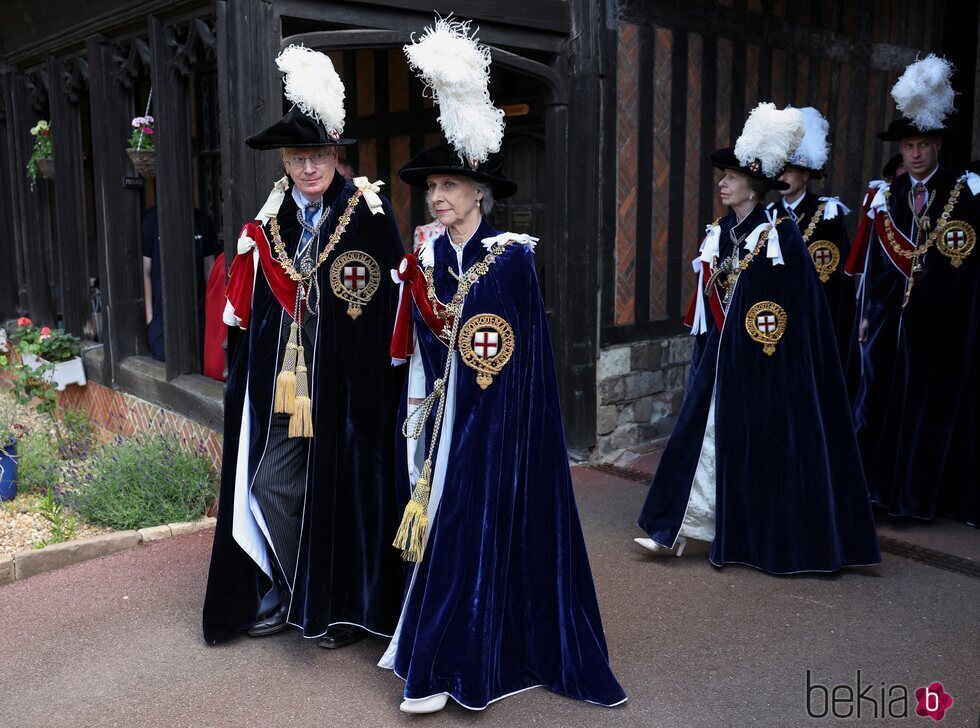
[
  {"x": 355, "y": 277},
  {"x": 956, "y": 241},
  {"x": 766, "y": 323},
  {"x": 826, "y": 258},
  {"x": 486, "y": 343}
]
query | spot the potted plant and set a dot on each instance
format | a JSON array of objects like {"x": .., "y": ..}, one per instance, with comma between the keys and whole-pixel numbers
[
  {"x": 54, "y": 354},
  {"x": 8, "y": 449},
  {"x": 42, "y": 156},
  {"x": 142, "y": 151}
]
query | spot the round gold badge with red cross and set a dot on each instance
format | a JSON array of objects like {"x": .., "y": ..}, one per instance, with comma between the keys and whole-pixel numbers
[
  {"x": 766, "y": 323},
  {"x": 826, "y": 257},
  {"x": 355, "y": 277},
  {"x": 486, "y": 343},
  {"x": 956, "y": 241}
]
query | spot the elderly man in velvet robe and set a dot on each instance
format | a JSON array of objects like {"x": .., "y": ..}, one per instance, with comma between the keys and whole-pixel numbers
[{"x": 307, "y": 500}]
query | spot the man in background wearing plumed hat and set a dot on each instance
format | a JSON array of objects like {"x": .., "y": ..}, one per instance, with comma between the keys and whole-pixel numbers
[
  {"x": 821, "y": 221},
  {"x": 307, "y": 504},
  {"x": 917, "y": 403}
]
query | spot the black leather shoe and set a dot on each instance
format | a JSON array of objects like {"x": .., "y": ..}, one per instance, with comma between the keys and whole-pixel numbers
[
  {"x": 275, "y": 622},
  {"x": 341, "y": 635}
]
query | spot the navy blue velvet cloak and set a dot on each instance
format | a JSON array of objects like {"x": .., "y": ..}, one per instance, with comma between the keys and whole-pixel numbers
[
  {"x": 347, "y": 571},
  {"x": 503, "y": 599},
  {"x": 829, "y": 238},
  {"x": 790, "y": 491},
  {"x": 918, "y": 402}
]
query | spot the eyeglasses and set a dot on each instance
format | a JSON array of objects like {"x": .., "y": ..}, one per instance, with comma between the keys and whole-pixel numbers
[{"x": 298, "y": 164}]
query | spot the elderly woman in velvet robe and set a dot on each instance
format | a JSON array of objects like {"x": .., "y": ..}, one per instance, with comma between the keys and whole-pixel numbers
[
  {"x": 500, "y": 596},
  {"x": 763, "y": 462}
]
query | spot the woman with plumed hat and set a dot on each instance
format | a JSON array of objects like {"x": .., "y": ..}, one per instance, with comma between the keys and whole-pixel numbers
[
  {"x": 762, "y": 463},
  {"x": 500, "y": 596}
]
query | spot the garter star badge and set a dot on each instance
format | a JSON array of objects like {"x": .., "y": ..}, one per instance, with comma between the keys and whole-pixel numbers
[
  {"x": 826, "y": 258},
  {"x": 486, "y": 343},
  {"x": 355, "y": 277},
  {"x": 956, "y": 241},
  {"x": 766, "y": 324}
]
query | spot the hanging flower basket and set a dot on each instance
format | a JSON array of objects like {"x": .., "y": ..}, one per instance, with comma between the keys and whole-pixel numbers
[
  {"x": 46, "y": 168},
  {"x": 144, "y": 161}
]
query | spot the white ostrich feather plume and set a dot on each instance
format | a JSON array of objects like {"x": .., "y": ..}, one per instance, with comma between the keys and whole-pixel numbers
[
  {"x": 313, "y": 85},
  {"x": 924, "y": 94},
  {"x": 456, "y": 68},
  {"x": 769, "y": 137},
  {"x": 815, "y": 147}
]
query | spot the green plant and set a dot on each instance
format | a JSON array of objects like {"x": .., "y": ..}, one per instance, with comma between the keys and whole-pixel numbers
[
  {"x": 142, "y": 137},
  {"x": 145, "y": 481},
  {"x": 63, "y": 526},
  {"x": 30, "y": 385},
  {"x": 58, "y": 345},
  {"x": 38, "y": 466},
  {"x": 75, "y": 435},
  {"x": 43, "y": 148}
]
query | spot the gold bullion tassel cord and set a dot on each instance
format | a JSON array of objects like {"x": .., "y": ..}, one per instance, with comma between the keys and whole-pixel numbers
[
  {"x": 415, "y": 521},
  {"x": 301, "y": 421},
  {"x": 285, "y": 401}
]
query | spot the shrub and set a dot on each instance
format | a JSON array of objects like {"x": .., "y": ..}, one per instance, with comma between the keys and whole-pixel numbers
[
  {"x": 75, "y": 434},
  {"x": 38, "y": 466},
  {"x": 145, "y": 481}
]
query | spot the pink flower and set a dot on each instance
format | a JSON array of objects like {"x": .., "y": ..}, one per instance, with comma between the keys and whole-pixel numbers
[
  {"x": 933, "y": 701},
  {"x": 146, "y": 130},
  {"x": 23, "y": 321},
  {"x": 45, "y": 331}
]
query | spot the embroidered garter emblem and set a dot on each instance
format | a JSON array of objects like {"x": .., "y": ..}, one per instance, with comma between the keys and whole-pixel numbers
[
  {"x": 957, "y": 241},
  {"x": 486, "y": 343},
  {"x": 766, "y": 323},
  {"x": 355, "y": 277},
  {"x": 826, "y": 258}
]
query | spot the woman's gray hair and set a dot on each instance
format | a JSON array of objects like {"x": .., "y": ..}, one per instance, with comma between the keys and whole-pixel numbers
[{"x": 486, "y": 204}]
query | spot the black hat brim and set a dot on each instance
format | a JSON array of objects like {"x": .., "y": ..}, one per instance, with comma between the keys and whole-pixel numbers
[
  {"x": 814, "y": 173},
  {"x": 726, "y": 159},
  {"x": 443, "y": 159},
  {"x": 295, "y": 129},
  {"x": 903, "y": 128}
]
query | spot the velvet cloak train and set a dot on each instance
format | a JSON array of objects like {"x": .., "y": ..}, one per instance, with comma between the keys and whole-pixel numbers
[
  {"x": 790, "y": 494},
  {"x": 347, "y": 571}
]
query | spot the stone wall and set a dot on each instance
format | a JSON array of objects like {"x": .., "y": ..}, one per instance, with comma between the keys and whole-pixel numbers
[{"x": 640, "y": 390}]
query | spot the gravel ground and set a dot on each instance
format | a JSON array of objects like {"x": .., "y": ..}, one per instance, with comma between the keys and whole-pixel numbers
[{"x": 22, "y": 527}]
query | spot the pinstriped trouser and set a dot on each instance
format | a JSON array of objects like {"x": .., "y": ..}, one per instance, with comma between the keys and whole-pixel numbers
[{"x": 280, "y": 487}]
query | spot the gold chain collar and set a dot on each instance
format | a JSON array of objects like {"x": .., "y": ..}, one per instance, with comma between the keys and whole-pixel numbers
[
  {"x": 933, "y": 236},
  {"x": 280, "y": 246},
  {"x": 814, "y": 221},
  {"x": 466, "y": 281}
]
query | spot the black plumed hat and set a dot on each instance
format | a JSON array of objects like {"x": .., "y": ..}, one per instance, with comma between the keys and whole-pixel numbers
[{"x": 444, "y": 159}]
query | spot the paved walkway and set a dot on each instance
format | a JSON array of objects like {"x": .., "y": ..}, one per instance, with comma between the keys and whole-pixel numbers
[{"x": 116, "y": 642}]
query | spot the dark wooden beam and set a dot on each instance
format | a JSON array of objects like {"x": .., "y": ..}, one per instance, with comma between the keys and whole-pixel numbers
[
  {"x": 10, "y": 305},
  {"x": 175, "y": 204},
  {"x": 32, "y": 228},
  {"x": 249, "y": 100},
  {"x": 117, "y": 214},
  {"x": 66, "y": 133}
]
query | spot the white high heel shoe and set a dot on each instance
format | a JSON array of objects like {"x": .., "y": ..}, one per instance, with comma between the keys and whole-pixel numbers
[
  {"x": 432, "y": 704},
  {"x": 653, "y": 547}
]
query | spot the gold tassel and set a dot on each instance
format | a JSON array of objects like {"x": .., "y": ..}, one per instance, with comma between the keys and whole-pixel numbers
[
  {"x": 301, "y": 422},
  {"x": 284, "y": 401},
  {"x": 285, "y": 393},
  {"x": 410, "y": 537}
]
